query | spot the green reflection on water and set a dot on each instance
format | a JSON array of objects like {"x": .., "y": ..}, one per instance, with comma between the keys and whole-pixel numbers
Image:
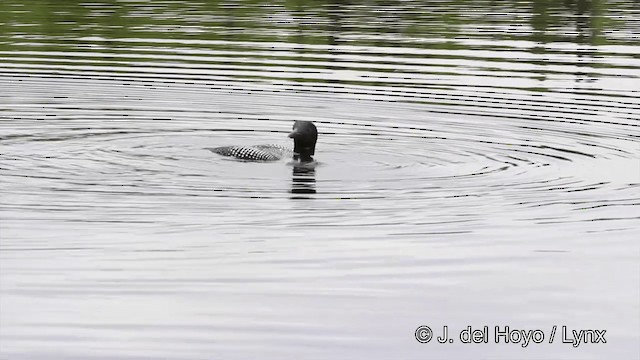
[{"x": 373, "y": 23}]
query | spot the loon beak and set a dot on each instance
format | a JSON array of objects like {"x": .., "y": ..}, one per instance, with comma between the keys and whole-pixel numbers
[{"x": 293, "y": 134}]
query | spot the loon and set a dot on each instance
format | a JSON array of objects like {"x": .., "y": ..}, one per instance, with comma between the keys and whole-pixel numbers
[{"x": 304, "y": 135}]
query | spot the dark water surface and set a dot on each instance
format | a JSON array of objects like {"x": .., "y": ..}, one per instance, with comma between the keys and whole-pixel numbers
[{"x": 479, "y": 165}]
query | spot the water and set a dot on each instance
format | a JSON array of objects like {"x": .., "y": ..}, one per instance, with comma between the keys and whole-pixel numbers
[{"x": 479, "y": 164}]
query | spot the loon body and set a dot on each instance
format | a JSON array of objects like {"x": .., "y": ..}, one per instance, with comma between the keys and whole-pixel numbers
[
  {"x": 256, "y": 152},
  {"x": 304, "y": 137}
]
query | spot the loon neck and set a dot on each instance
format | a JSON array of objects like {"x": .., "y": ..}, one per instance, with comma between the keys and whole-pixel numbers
[{"x": 302, "y": 157}]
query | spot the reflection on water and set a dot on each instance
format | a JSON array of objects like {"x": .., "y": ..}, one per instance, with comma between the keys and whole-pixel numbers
[
  {"x": 303, "y": 181},
  {"x": 478, "y": 165},
  {"x": 594, "y": 22}
]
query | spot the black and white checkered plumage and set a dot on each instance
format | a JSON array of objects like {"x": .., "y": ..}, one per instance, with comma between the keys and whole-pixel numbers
[{"x": 255, "y": 153}]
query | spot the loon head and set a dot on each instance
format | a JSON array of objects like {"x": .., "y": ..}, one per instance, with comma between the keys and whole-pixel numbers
[{"x": 304, "y": 137}]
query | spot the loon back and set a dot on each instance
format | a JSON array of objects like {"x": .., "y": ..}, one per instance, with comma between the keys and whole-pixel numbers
[{"x": 256, "y": 152}]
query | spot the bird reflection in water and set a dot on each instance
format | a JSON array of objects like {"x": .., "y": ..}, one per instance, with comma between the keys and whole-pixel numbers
[{"x": 303, "y": 182}]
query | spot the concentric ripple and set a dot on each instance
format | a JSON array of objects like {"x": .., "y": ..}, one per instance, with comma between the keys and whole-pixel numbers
[{"x": 156, "y": 146}]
